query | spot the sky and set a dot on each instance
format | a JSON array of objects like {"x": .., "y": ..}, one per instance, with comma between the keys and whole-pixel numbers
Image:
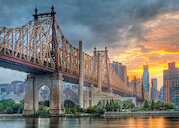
[{"x": 136, "y": 32}]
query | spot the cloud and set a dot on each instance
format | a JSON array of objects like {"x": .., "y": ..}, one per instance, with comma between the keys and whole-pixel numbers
[{"x": 134, "y": 30}]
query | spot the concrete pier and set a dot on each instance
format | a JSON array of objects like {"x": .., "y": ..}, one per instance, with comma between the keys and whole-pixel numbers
[
  {"x": 99, "y": 72},
  {"x": 81, "y": 82},
  {"x": 34, "y": 82}
]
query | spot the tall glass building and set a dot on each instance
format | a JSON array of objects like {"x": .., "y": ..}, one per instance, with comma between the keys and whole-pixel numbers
[
  {"x": 171, "y": 84},
  {"x": 146, "y": 78}
]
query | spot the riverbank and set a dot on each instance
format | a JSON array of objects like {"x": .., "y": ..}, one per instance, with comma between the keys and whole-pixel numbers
[
  {"x": 141, "y": 114},
  {"x": 171, "y": 114},
  {"x": 2, "y": 116}
]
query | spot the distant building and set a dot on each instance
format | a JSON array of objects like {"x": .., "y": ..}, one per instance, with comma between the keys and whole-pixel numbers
[
  {"x": 154, "y": 83},
  {"x": 154, "y": 92},
  {"x": 171, "y": 84},
  {"x": 14, "y": 90},
  {"x": 161, "y": 93},
  {"x": 146, "y": 78},
  {"x": 121, "y": 71}
]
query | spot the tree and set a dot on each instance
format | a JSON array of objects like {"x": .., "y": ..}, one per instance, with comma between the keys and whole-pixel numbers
[
  {"x": 69, "y": 104},
  {"x": 15, "y": 107},
  {"x": 117, "y": 105},
  {"x": 128, "y": 104},
  {"x": 1, "y": 107},
  {"x": 99, "y": 109},
  {"x": 146, "y": 105},
  {"x": 152, "y": 106},
  {"x": 90, "y": 110},
  {"x": 158, "y": 105},
  {"x": 111, "y": 105},
  {"x": 9, "y": 110},
  {"x": 107, "y": 107},
  {"x": 169, "y": 105}
]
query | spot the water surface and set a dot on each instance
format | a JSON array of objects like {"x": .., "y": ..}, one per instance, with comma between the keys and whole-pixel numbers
[{"x": 90, "y": 123}]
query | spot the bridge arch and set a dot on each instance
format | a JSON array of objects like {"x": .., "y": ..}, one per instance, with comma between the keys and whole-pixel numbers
[{"x": 34, "y": 82}]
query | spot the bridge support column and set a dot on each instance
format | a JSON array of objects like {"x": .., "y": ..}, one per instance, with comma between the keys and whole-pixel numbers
[
  {"x": 99, "y": 72},
  {"x": 56, "y": 95},
  {"x": 34, "y": 82},
  {"x": 81, "y": 82},
  {"x": 29, "y": 96}
]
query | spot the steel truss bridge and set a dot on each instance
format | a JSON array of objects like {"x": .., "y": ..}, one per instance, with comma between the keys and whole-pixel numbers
[{"x": 40, "y": 47}]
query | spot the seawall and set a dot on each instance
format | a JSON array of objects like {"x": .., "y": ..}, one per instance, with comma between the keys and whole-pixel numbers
[{"x": 140, "y": 114}]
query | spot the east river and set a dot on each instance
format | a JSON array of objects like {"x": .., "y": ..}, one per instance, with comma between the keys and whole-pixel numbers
[{"x": 89, "y": 123}]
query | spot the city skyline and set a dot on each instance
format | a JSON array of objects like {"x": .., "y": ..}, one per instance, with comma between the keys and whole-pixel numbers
[{"x": 130, "y": 42}]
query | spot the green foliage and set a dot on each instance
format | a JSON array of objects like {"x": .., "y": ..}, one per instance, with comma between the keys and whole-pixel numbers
[
  {"x": 114, "y": 105},
  {"x": 69, "y": 104},
  {"x": 90, "y": 110},
  {"x": 79, "y": 109},
  {"x": 153, "y": 106},
  {"x": 22, "y": 102},
  {"x": 117, "y": 105},
  {"x": 6, "y": 103},
  {"x": 1, "y": 107},
  {"x": 169, "y": 105},
  {"x": 99, "y": 109},
  {"x": 107, "y": 107},
  {"x": 9, "y": 110},
  {"x": 43, "y": 109},
  {"x": 158, "y": 105},
  {"x": 128, "y": 104},
  {"x": 44, "y": 103},
  {"x": 146, "y": 105}
]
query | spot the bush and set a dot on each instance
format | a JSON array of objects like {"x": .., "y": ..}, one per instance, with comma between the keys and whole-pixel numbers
[
  {"x": 9, "y": 110},
  {"x": 169, "y": 105},
  {"x": 68, "y": 111},
  {"x": 128, "y": 104},
  {"x": 114, "y": 105},
  {"x": 99, "y": 109},
  {"x": 90, "y": 110}
]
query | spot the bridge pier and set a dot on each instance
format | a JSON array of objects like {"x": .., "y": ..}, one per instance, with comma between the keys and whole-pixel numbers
[
  {"x": 99, "y": 72},
  {"x": 34, "y": 82},
  {"x": 81, "y": 82}
]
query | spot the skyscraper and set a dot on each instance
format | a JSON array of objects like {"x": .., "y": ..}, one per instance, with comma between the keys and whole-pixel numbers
[
  {"x": 154, "y": 93},
  {"x": 171, "y": 84},
  {"x": 154, "y": 83},
  {"x": 146, "y": 78},
  {"x": 121, "y": 71},
  {"x": 161, "y": 93}
]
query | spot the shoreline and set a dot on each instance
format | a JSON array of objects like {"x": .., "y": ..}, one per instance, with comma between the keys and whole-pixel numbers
[
  {"x": 172, "y": 114},
  {"x": 107, "y": 115}
]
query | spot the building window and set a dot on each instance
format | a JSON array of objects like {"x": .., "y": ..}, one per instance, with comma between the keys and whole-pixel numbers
[
  {"x": 90, "y": 103},
  {"x": 90, "y": 94}
]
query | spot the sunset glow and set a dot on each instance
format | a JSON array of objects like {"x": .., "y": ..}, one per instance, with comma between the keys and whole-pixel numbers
[{"x": 160, "y": 46}]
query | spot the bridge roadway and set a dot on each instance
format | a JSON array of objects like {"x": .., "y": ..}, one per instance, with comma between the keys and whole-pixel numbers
[{"x": 18, "y": 64}]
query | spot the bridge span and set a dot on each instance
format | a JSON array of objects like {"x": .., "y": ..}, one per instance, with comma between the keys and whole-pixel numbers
[{"x": 41, "y": 49}]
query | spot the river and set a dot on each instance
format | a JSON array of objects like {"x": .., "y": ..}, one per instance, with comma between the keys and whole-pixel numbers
[{"x": 89, "y": 123}]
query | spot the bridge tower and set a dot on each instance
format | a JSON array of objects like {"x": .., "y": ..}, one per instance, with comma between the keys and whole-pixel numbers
[{"x": 54, "y": 81}]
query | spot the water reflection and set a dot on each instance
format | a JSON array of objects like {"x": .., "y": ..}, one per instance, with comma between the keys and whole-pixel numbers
[{"x": 90, "y": 123}]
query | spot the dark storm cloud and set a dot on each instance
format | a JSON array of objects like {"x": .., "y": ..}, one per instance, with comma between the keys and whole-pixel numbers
[{"x": 101, "y": 19}]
